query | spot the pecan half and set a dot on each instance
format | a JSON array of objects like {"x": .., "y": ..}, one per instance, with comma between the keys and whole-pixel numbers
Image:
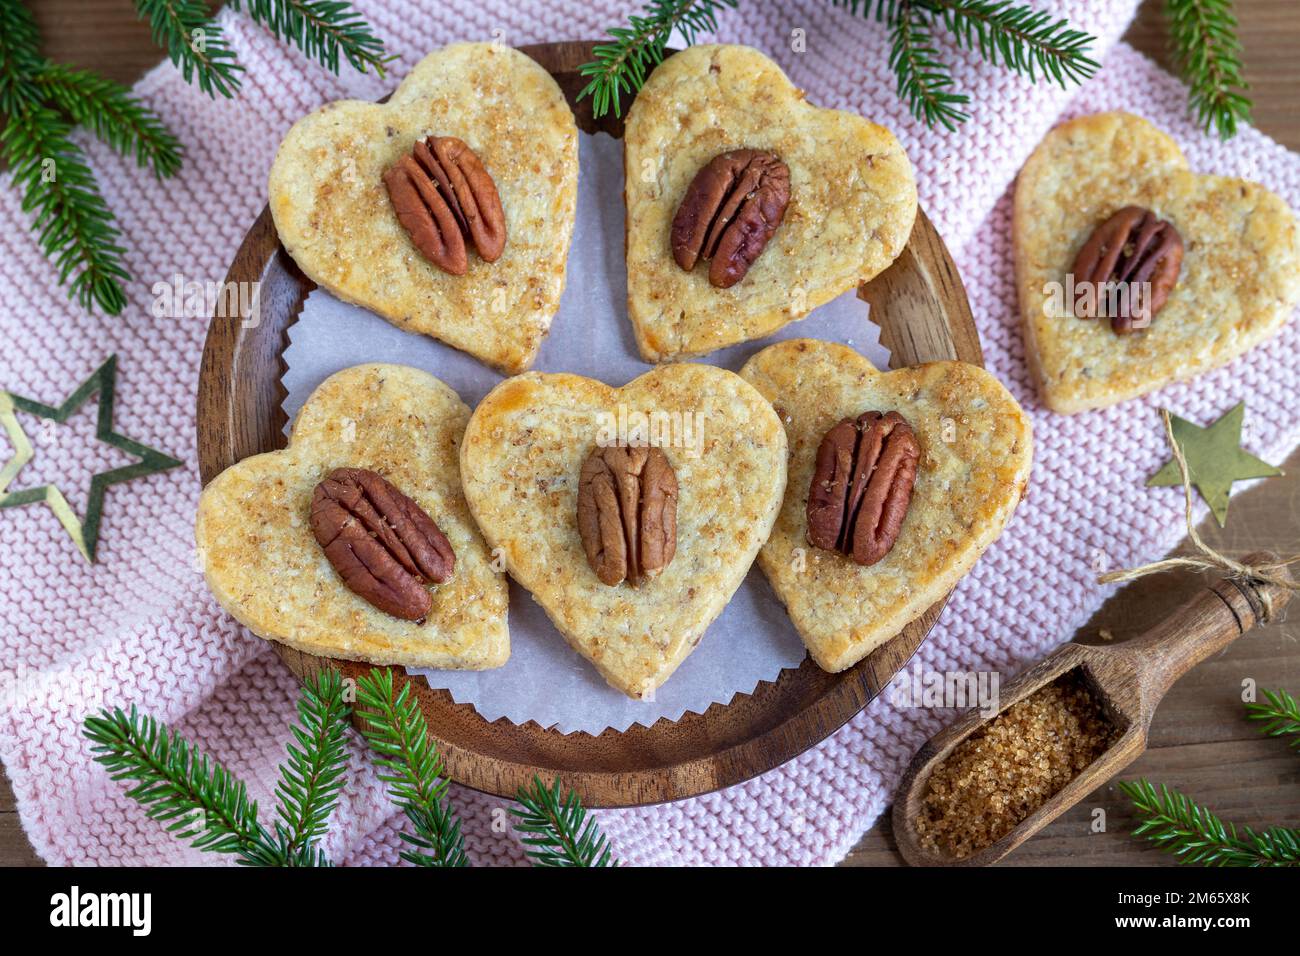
[
  {"x": 862, "y": 485},
  {"x": 444, "y": 198},
  {"x": 382, "y": 544},
  {"x": 1130, "y": 249},
  {"x": 627, "y": 513},
  {"x": 729, "y": 213}
]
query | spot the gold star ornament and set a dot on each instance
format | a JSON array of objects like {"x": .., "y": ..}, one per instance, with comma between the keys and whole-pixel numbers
[
  {"x": 1214, "y": 459},
  {"x": 84, "y": 533}
]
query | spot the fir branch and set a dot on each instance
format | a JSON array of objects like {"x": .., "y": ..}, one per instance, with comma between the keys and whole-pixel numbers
[
  {"x": 198, "y": 799},
  {"x": 194, "y": 43},
  {"x": 621, "y": 66},
  {"x": 1176, "y": 824},
  {"x": 109, "y": 111},
  {"x": 74, "y": 226},
  {"x": 1005, "y": 34},
  {"x": 1203, "y": 34},
  {"x": 311, "y": 778},
  {"x": 20, "y": 58},
  {"x": 322, "y": 29},
  {"x": 924, "y": 83},
  {"x": 1281, "y": 714},
  {"x": 1019, "y": 38},
  {"x": 412, "y": 767},
  {"x": 555, "y": 828}
]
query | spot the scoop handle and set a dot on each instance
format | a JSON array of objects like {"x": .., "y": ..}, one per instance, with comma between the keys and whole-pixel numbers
[{"x": 1210, "y": 621}]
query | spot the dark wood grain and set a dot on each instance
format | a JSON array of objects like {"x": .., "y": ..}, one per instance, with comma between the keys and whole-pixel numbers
[
  {"x": 15, "y": 849},
  {"x": 1198, "y": 740},
  {"x": 921, "y": 307},
  {"x": 1130, "y": 679}
]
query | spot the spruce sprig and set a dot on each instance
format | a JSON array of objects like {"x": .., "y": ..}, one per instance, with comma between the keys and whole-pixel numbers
[
  {"x": 196, "y": 797},
  {"x": 205, "y": 803},
  {"x": 322, "y": 29},
  {"x": 556, "y": 830},
  {"x": 311, "y": 778},
  {"x": 201, "y": 801},
  {"x": 20, "y": 58},
  {"x": 194, "y": 43},
  {"x": 1013, "y": 36},
  {"x": 412, "y": 767},
  {"x": 924, "y": 82},
  {"x": 73, "y": 224},
  {"x": 1019, "y": 38},
  {"x": 1175, "y": 823},
  {"x": 621, "y": 66},
  {"x": 40, "y": 101},
  {"x": 109, "y": 111},
  {"x": 1203, "y": 34},
  {"x": 1280, "y": 713}
]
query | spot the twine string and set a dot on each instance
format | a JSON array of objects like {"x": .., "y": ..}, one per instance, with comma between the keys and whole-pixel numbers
[{"x": 1208, "y": 559}]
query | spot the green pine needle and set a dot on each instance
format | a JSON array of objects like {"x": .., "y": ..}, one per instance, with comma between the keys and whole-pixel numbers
[
  {"x": 412, "y": 767},
  {"x": 1019, "y": 38},
  {"x": 1015, "y": 37},
  {"x": 196, "y": 797},
  {"x": 74, "y": 225},
  {"x": 1203, "y": 34},
  {"x": 1178, "y": 825},
  {"x": 310, "y": 780},
  {"x": 194, "y": 43},
  {"x": 202, "y": 802},
  {"x": 38, "y": 98},
  {"x": 1280, "y": 713},
  {"x": 924, "y": 83},
  {"x": 622, "y": 65},
  {"x": 20, "y": 58},
  {"x": 109, "y": 111},
  {"x": 322, "y": 29},
  {"x": 555, "y": 829}
]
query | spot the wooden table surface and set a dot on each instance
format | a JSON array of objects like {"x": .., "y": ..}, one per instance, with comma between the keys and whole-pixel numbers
[{"x": 1199, "y": 743}]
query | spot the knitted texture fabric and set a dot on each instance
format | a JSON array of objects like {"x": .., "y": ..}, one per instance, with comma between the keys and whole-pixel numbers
[{"x": 140, "y": 627}]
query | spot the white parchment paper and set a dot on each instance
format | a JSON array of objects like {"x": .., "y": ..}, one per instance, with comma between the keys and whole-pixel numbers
[{"x": 544, "y": 680}]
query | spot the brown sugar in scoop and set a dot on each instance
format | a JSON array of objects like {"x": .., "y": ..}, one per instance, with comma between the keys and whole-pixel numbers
[
  {"x": 982, "y": 786},
  {"x": 1001, "y": 774}
]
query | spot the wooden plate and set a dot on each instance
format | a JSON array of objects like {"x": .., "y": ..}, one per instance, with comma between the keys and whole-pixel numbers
[{"x": 921, "y": 307}]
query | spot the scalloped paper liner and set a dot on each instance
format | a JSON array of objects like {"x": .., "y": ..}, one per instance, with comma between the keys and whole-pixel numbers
[{"x": 545, "y": 681}]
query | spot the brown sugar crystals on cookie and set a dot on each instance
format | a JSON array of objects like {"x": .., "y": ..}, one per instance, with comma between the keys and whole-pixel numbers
[
  {"x": 382, "y": 544},
  {"x": 1005, "y": 771},
  {"x": 862, "y": 485}
]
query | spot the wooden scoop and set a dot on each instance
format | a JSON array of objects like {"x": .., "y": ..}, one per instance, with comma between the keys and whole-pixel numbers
[{"x": 1129, "y": 680}]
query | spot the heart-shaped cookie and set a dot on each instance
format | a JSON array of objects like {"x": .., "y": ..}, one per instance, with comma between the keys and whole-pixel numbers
[
  {"x": 523, "y": 452},
  {"x": 975, "y": 450},
  {"x": 263, "y": 562},
  {"x": 1239, "y": 279},
  {"x": 851, "y": 208},
  {"x": 334, "y": 215}
]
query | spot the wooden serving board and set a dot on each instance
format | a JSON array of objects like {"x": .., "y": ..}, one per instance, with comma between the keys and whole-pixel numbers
[{"x": 921, "y": 308}]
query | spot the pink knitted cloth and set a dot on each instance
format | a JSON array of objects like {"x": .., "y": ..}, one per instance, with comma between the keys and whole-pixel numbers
[{"x": 139, "y": 626}]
